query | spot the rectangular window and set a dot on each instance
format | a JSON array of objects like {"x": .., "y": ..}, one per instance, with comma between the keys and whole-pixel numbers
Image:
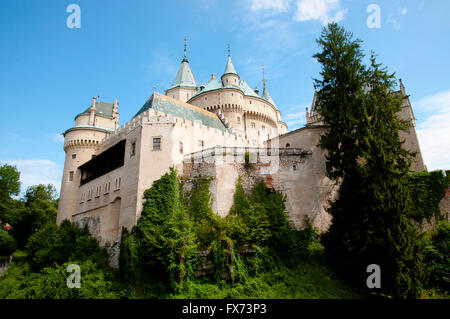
[
  {"x": 253, "y": 124},
  {"x": 133, "y": 149},
  {"x": 74, "y": 156},
  {"x": 156, "y": 143},
  {"x": 181, "y": 147},
  {"x": 200, "y": 143},
  {"x": 70, "y": 176}
]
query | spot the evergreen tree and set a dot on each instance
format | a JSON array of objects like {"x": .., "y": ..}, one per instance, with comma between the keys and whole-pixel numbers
[{"x": 366, "y": 157}]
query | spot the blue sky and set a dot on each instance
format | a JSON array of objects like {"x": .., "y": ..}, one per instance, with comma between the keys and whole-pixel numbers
[{"x": 49, "y": 72}]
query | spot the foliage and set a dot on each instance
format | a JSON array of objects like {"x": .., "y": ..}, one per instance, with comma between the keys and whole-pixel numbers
[
  {"x": 7, "y": 244},
  {"x": 367, "y": 158},
  {"x": 52, "y": 244},
  {"x": 163, "y": 240},
  {"x": 427, "y": 190},
  {"x": 438, "y": 257},
  {"x": 51, "y": 282},
  {"x": 9, "y": 182},
  {"x": 29, "y": 215}
]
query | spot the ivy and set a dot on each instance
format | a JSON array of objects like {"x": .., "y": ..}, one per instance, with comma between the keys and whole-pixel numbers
[{"x": 427, "y": 190}]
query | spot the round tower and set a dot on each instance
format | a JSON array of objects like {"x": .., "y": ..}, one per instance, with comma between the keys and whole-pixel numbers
[{"x": 82, "y": 143}]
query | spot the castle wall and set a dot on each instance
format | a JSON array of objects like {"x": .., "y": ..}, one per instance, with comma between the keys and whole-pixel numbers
[{"x": 289, "y": 172}]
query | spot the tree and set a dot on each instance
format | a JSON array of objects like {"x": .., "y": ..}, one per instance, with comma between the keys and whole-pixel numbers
[
  {"x": 366, "y": 157},
  {"x": 7, "y": 244},
  {"x": 9, "y": 182},
  {"x": 40, "y": 192},
  {"x": 163, "y": 239}
]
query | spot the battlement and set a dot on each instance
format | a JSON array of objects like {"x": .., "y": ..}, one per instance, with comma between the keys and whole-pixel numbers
[
  {"x": 154, "y": 117},
  {"x": 256, "y": 154}
]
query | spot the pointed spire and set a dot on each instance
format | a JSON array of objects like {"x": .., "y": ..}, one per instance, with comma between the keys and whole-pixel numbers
[
  {"x": 266, "y": 95},
  {"x": 229, "y": 68},
  {"x": 184, "y": 77}
]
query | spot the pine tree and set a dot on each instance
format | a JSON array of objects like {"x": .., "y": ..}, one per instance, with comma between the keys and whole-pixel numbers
[{"x": 366, "y": 157}]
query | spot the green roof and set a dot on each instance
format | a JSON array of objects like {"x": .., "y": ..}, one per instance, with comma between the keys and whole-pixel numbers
[
  {"x": 184, "y": 77},
  {"x": 266, "y": 96},
  {"x": 101, "y": 108},
  {"x": 229, "y": 68},
  {"x": 183, "y": 110}
]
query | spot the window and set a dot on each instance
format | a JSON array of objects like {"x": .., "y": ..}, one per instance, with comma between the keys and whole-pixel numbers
[
  {"x": 294, "y": 167},
  {"x": 263, "y": 128},
  {"x": 133, "y": 149},
  {"x": 238, "y": 120},
  {"x": 156, "y": 143},
  {"x": 181, "y": 147},
  {"x": 250, "y": 102},
  {"x": 288, "y": 145},
  {"x": 253, "y": 125},
  {"x": 200, "y": 143},
  {"x": 93, "y": 156},
  {"x": 74, "y": 156},
  {"x": 117, "y": 184},
  {"x": 206, "y": 98},
  {"x": 70, "y": 176},
  {"x": 97, "y": 191}
]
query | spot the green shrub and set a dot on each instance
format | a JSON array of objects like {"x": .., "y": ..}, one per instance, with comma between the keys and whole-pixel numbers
[
  {"x": 427, "y": 189},
  {"x": 438, "y": 257},
  {"x": 52, "y": 244},
  {"x": 7, "y": 244}
]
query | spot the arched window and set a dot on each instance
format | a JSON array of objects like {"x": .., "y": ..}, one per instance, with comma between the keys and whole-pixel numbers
[
  {"x": 288, "y": 145},
  {"x": 238, "y": 120}
]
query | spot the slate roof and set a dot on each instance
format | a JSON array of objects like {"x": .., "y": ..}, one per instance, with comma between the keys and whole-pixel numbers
[
  {"x": 101, "y": 108},
  {"x": 184, "y": 77},
  {"x": 168, "y": 105},
  {"x": 229, "y": 68}
]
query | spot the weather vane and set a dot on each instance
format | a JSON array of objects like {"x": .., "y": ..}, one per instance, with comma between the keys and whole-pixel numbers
[
  {"x": 228, "y": 49},
  {"x": 185, "y": 44}
]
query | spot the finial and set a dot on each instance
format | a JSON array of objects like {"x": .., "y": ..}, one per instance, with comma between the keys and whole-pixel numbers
[
  {"x": 264, "y": 78},
  {"x": 185, "y": 44},
  {"x": 228, "y": 45}
]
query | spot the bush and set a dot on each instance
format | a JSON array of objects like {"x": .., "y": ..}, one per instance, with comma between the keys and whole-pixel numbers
[
  {"x": 7, "y": 244},
  {"x": 52, "y": 244},
  {"x": 438, "y": 257}
]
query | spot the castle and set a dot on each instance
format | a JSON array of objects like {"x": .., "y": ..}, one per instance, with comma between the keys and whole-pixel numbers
[{"x": 222, "y": 128}]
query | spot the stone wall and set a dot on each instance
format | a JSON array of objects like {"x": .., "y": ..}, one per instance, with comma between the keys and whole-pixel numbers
[{"x": 284, "y": 169}]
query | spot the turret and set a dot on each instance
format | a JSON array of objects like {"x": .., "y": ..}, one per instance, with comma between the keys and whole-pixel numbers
[
  {"x": 81, "y": 143},
  {"x": 230, "y": 76},
  {"x": 184, "y": 86}
]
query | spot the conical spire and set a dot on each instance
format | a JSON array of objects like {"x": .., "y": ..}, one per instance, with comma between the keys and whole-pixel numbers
[
  {"x": 266, "y": 95},
  {"x": 184, "y": 76},
  {"x": 229, "y": 68}
]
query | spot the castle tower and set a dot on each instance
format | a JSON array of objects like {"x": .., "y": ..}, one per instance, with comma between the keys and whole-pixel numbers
[
  {"x": 184, "y": 86},
  {"x": 231, "y": 99},
  {"x": 81, "y": 143}
]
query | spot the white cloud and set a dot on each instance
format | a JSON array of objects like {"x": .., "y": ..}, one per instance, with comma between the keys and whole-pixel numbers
[
  {"x": 325, "y": 11},
  {"x": 295, "y": 117},
  {"x": 274, "y": 5},
  {"x": 434, "y": 131},
  {"x": 59, "y": 138},
  {"x": 37, "y": 171},
  {"x": 394, "y": 18}
]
